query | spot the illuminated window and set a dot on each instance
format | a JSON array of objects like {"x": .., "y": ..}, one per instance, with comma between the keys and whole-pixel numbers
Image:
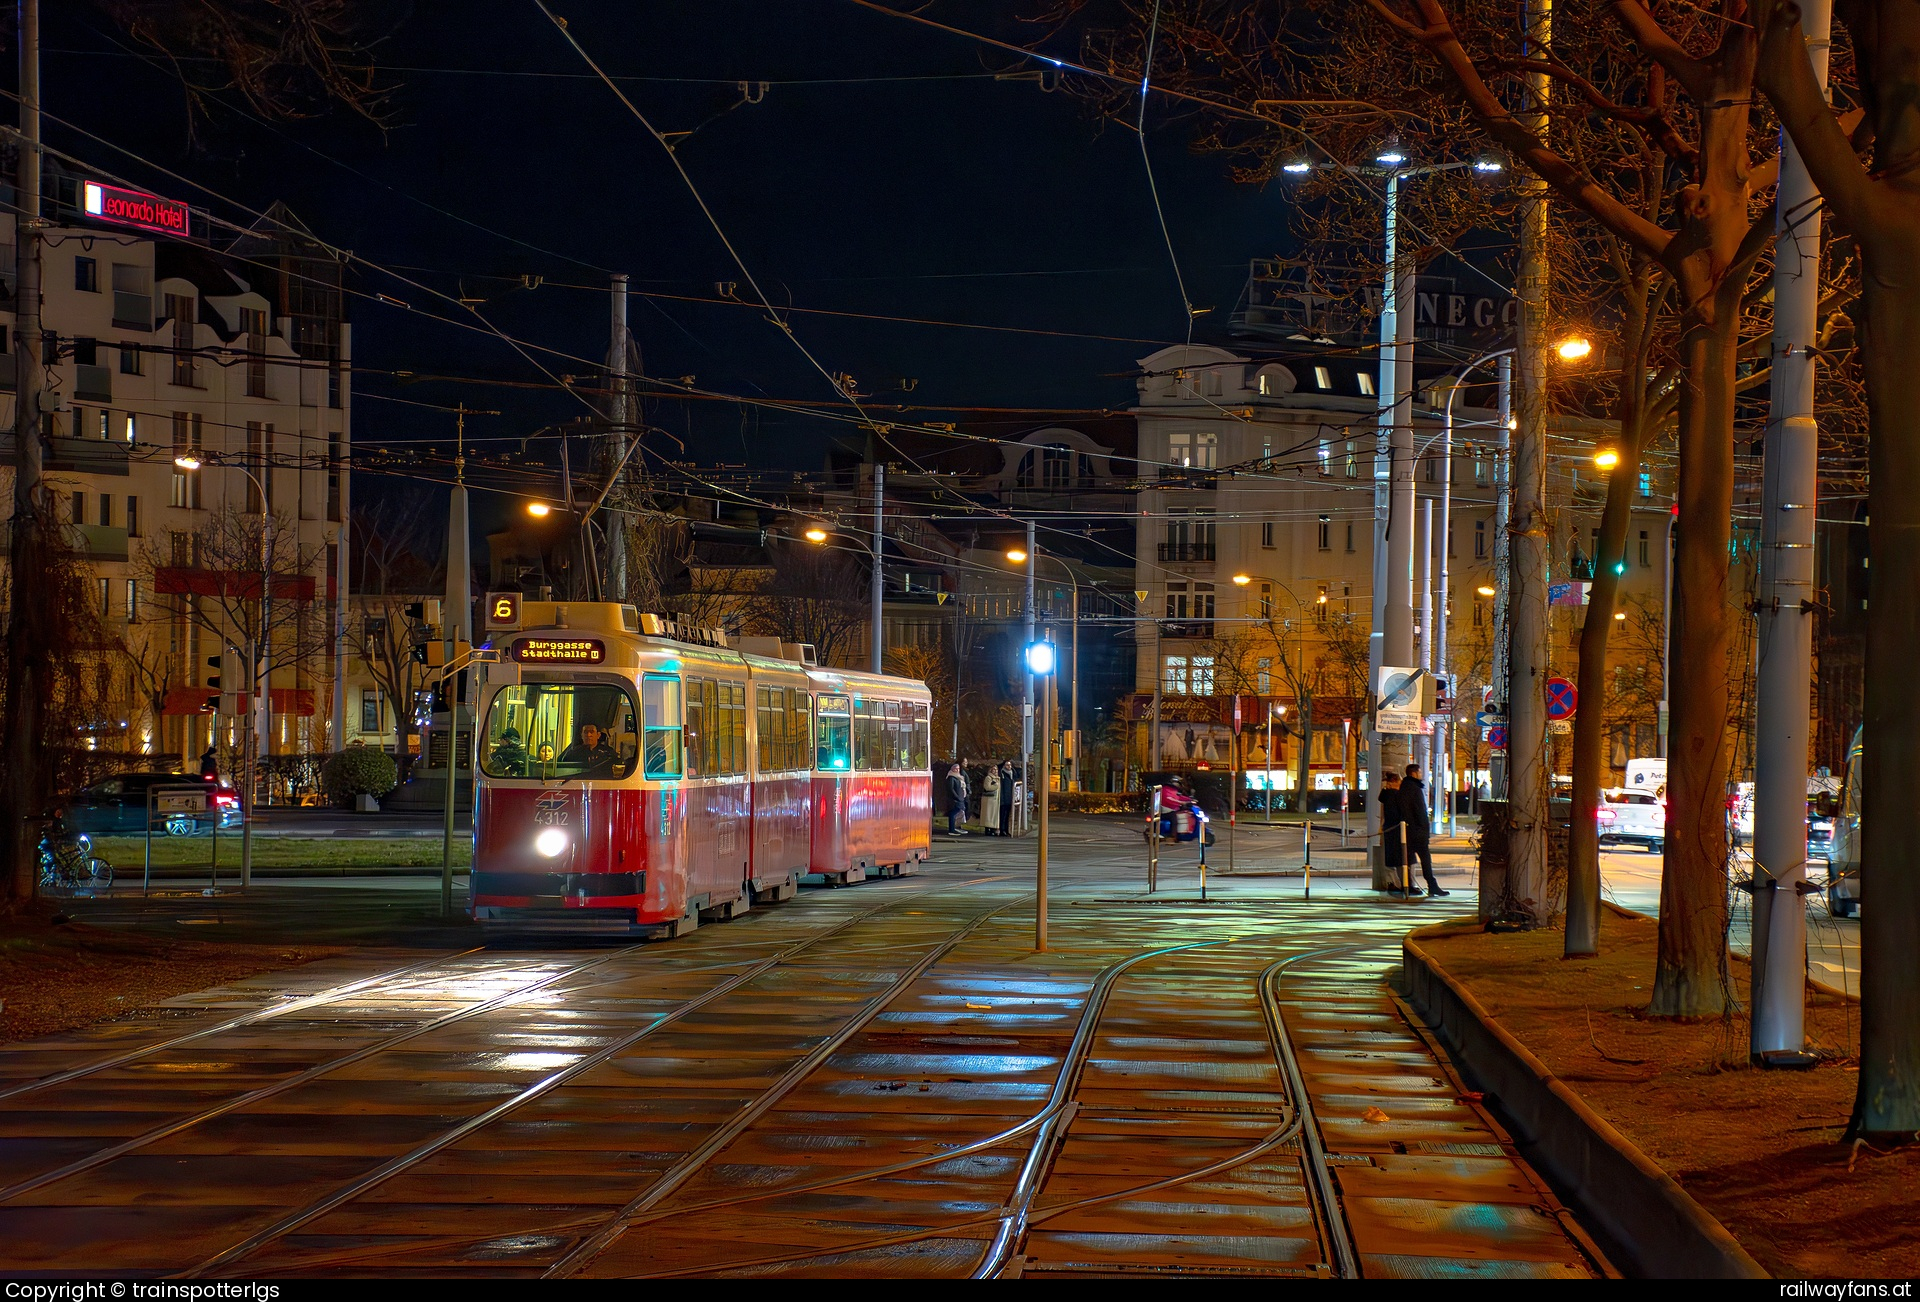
[
  {"x": 1322, "y": 378},
  {"x": 1366, "y": 384},
  {"x": 1200, "y": 677},
  {"x": 1173, "y": 677},
  {"x": 1263, "y": 676}
]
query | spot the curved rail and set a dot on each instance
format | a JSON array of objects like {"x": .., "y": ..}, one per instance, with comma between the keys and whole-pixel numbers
[{"x": 412, "y": 1157}]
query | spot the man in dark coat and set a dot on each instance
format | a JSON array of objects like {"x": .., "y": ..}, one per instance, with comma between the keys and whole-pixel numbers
[
  {"x": 956, "y": 796},
  {"x": 1390, "y": 820},
  {"x": 1413, "y": 808}
]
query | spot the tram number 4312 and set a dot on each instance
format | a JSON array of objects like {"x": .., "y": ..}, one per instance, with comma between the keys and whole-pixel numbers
[{"x": 550, "y": 811}]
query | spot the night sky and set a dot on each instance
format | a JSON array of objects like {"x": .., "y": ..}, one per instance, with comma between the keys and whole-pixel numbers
[{"x": 885, "y": 170}]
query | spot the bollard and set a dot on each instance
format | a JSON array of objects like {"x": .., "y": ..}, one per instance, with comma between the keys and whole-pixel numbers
[
  {"x": 1406, "y": 870},
  {"x": 1309, "y": 840},
  {"x": 1153, "y": 853},
  {"x": 1201, "y": 830}
]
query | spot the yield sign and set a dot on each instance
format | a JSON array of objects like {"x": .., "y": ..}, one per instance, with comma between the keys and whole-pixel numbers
[{"x": 1562, "y": 699}]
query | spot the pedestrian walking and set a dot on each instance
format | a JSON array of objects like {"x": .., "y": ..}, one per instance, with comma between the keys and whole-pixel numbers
[
  {"x": 956, "y": 796},
  {"x": 1390, "y": 822},
  {"x": 1007, "y": 785},
  {"x": 990, "y": 801},
  {"x": 1413, "y": 807}
]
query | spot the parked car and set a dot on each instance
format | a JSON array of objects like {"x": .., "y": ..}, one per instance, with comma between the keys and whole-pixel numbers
[
  {"x": 1632, "y": 815},
  {"x": 117, "y": 806}
]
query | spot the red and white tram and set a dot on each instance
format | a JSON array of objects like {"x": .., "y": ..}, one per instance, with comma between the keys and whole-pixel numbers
[{"x": 635, "y": 777}]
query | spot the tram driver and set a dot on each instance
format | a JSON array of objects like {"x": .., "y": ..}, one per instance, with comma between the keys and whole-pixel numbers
[{"x": 591, "y": 752}]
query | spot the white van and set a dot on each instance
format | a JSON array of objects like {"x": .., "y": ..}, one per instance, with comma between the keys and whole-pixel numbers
[{"x": 1647, "y": 774}]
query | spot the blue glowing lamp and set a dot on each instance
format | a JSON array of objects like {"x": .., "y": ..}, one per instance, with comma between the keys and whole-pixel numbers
[{"x": 1040, "y": 657}]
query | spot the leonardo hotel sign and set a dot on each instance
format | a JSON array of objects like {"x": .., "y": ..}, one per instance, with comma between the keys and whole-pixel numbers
[{"x": 147, "y": 212}]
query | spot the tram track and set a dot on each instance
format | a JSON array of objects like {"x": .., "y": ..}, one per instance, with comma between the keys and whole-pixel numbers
[
  {"x": 1010, "y": 1223},
  {"x": 247, "y": 1249}
]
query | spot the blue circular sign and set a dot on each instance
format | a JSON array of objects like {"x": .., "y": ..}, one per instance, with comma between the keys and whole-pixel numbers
[{"x": 1562, "y": 699}]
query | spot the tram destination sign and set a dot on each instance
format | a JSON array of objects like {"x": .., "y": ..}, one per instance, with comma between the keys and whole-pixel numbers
[{"x": 559, "y": 651}]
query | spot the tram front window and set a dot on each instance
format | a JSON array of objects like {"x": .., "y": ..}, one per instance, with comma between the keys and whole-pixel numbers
[{"x": 560, "y": 730}]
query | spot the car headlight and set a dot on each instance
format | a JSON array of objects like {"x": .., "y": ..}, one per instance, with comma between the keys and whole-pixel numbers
[{"x": 552, "y": 843}]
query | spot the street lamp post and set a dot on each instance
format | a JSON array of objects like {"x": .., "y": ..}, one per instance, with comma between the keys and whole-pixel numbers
[
  {"x": 1041, "y": 661},
  {"x": 256, "y": 653},
  {"x": 1031, "y": 556}
]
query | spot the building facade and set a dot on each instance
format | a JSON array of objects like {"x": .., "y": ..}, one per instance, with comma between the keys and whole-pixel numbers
[{"x": 235, "y": 359}]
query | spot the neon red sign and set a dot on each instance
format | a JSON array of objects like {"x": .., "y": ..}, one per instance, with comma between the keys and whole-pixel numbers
[{"x": 149, "y": 212}]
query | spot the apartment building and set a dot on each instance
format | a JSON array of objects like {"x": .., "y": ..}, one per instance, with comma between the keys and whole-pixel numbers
[{"x": 232, "y": 352}]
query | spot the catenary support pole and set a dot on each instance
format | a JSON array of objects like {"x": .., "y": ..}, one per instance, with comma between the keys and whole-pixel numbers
[
  {"x": 456, "y": 618},
  {"x": 1502, "y": 589},
  {"x": 878, "y": 634},
  {"x": 1423, "y": 585},
  {"x": 1040, "y": 860},
  {"x": 620, "y": 417},
  {"x": 1784, "y": 643},
  {"x": 1529, "y": 889}
]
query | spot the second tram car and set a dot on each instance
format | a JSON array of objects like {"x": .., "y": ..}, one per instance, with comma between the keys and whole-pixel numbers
[{"x": 634, "y": 777}]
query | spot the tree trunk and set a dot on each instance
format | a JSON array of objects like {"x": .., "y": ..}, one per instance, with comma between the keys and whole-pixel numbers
[
  {"x": 1303, "y": 765},
  {"x": 1690, "y": 975},
  {"x": 1589, "y": 724},
  {"x": 1887, "y": 1103}
]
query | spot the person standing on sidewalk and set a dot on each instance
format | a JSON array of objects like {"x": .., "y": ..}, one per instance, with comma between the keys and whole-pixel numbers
[
  {"x": 956, "y": 796},
  {"x": 1413, "y": 808},
  {"x": 1390, "y": 820},
  {"x": 1006, "y": 798},
  {"x": 990, "y": 801}
]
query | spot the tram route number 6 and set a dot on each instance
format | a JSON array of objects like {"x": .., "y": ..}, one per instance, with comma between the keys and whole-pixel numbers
[{"x": 550, "y": 811}]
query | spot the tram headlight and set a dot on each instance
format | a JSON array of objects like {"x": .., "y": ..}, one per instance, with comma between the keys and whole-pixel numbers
[{"x": 552, "y": 842}]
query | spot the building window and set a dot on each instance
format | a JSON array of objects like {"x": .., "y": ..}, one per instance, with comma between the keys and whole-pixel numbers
[
  {"x": 106, "y": 600},
  {"x": 1480, "y": 539},
  {"x": 1646, "y": 552},
  {"x": 128, "y": 428},
  {"x": 1266, "y": 601},
  {"x": 180, "y": 309},
  {"x": 186, "y": 433},
  {"x": 1349, "y": 536},
  {"x": 1479, "y": 611},
  {"x": 1173, "y": 676},
  {"x": 1192, "y": 449},
  {"x": 133, "y": 517},
  {"x": 1320, "y": 604},
  {"x": 1265, "y": 390},
  {"x": 86, "y": 275},
  {"x": 79, "y": 513},
  {"x": 1366, "y": 385},
  {"x": 1263, "y": 675},
  {"x": 1322, "y": 378},
  {"x": 1646, "y": 483},
  {"x": 130, "y": 360},
  {"x": 1326, "y": 457},
  {"x": 1266, "y": 534},
  {"x": 1353, "y": 462},
  {"x": 1324, "y": 533},
  {"x": 133, "y": 601},
  {"x": 372, "y": 720},
  {"x": 1200, "y": 677},
  {"x": 1203, "y": 601},
  {"x": 106, "y": 509}
]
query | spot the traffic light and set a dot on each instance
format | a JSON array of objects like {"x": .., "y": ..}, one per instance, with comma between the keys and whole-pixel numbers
[
  {"x": 212, "y": 704},
  {"x": 424, "y": 612}
]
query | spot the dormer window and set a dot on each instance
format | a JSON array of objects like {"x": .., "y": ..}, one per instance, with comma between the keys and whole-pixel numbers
[
  {"x": 1366, "y": 384},
  {"x": 1266, "y": 385},
  {"x": 1322, "y": 378}
]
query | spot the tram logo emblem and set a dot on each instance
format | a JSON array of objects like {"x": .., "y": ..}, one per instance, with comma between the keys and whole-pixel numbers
[{"x": 550, "y": 809}]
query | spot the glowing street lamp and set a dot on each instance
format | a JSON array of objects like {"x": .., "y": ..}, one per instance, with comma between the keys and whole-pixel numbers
[
  {"x": 1574, "y": 349},
  {"x": 815, "y": 534},
  {"x": 188, "y": 462},
  {"x": 539, "y": 510},
  {"x": 1016, "y": 555},
  {"x": 1606, "y": 458},
  {"x": 1242, "y": 580},
  {"x": 1486, "y": 591}
]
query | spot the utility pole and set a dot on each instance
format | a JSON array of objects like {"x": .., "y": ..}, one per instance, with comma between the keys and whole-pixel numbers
[
  {"x": 456, "y": 626},
  {"x": 1527, "y": 751},
  {"x": 620, "y": 416},
  {"x": 1423, "y": 580},
  {"x": 878, "y": 636},
  {"x": 26, "y": 666},
  {"x": 1391, "y": 642},
  {"x": 1503, "y": 588},
  {"x": 1784, "y": 649}
]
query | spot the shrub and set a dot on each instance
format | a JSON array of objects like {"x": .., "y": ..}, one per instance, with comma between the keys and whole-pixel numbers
[{"x": 358, "y": 771}]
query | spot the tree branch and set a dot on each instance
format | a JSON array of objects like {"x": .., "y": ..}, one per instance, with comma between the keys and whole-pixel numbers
[{"x": 1785, "y": 75}]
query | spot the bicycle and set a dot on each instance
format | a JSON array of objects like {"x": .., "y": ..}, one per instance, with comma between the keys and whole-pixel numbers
[{"x": 68, "y": 864}]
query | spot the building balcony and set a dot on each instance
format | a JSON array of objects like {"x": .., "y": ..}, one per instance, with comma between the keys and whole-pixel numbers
[
  {"x": 101, "y": 542},
  {"x": 1190, "y": 628},
  {"x": 132, "y": 311},
  {"x": 77, "y": 456},
  {"x": 1187, "y": 553}
]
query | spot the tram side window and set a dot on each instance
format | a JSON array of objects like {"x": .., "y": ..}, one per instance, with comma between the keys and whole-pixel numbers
[
  {"x": 660, "y": 709},
  {"x": 799, "y": 728},
  {"x": 771, "y": 715},
  {"x": 699, "y": 764},
  {"x": 560, "y": 730},
  {"x": 718, "y": 761},
  {"x": 920, "y": 742},
  {"x": 897, "y": 725},
  {"x": 867, "y": 750},
  {"x": 834, "y": 752}
]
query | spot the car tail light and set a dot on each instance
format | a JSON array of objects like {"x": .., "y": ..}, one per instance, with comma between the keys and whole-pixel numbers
[
  {"x": 226, "y": 800},
  {"x": 1604, "y": 815}
]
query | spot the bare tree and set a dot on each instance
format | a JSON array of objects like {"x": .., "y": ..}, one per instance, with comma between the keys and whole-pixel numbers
[
  {"x": 396, "y": 559},
  {"x": 812, "y": 597}
]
